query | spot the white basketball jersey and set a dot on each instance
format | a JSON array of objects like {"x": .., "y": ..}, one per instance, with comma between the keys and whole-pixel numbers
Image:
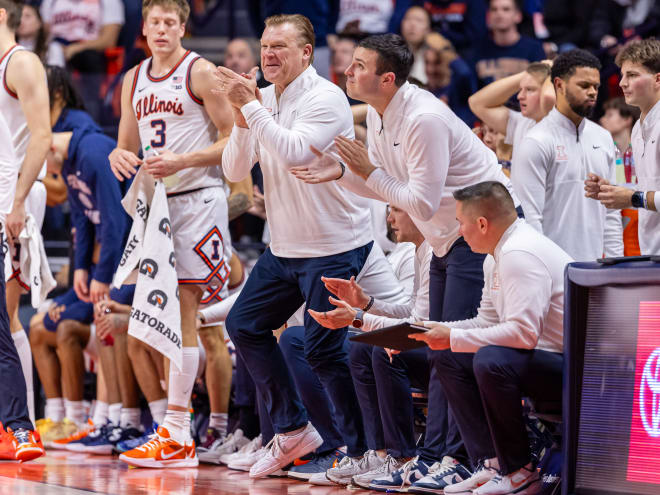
[
  {"x": 12, "y": 111},
  {"x": 171, "y": 117}
]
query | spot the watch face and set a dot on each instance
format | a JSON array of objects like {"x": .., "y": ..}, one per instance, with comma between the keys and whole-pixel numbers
[{"x": 357, "y": 323}]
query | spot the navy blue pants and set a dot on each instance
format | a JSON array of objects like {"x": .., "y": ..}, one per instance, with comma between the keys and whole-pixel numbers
[
  {"x": 456, "y": 283},
  {"x": 486, "y": 390},
  {"x": 275, "y": 289},
  {"x": 13, "y": 398},
  {"x": 314, "y": 397}
]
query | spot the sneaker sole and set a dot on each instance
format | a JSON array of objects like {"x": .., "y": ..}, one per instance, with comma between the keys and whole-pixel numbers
[
  {"x": 300, "y": 476},
  {"x": 300, "y": 451},
  {"x": 98, "y": 449},
  {"x": 339, "y": 481},
  {"x": 28, "y": 454},
  {"x": 208, "y": 459},
  {"x": 153, "y": 463}
]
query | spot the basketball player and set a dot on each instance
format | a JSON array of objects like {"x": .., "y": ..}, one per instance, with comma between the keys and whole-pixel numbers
[
  {"x": 24, "y": 103},
  {"x": 167, "y": 104}
]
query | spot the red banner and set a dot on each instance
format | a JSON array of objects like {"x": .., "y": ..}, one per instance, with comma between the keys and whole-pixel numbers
[{"x": 644, "y": 452}]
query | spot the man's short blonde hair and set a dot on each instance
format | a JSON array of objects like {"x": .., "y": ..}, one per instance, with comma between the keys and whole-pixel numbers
[
  {"x": 644, "y": 52},
  {"x": 180, "y": 6},
  {"x": 301, "y": 23}
]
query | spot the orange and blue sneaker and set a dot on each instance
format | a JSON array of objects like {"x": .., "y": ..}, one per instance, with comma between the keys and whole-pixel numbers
[
  {"x": 162, "y": 451},
  {"x": 77, "y": 435},
  {"x": 26, "y": 443}
]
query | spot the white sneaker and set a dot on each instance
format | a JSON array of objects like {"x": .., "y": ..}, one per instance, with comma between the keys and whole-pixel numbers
[
  {"x": 483, "y": 474},
  {"x": 252, "y": 446},
  {"x": 389, "y": 464},
  {"x": 517, "y": 482},
  {"x": 245, "y": 461},
  {"x": 320, "y": 479},
  {"x": 283, "y": 449},
  {"x": 352, "y": 466},
  {"x": 228, "y": 445}
]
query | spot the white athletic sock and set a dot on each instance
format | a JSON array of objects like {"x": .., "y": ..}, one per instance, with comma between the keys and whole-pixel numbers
[
  {"x": 130, "y": 417},
  {"x": 178, "y": 424},
  {"x": 219, "y": 422},
  {"x": 158, "y": 408},
  {"x": 114, "y": 413},
  {"x": 75, "y": 411},
  {"x": 181, "y": 385},
  {"x": 25, "y": 355},
  {"x": 55, "y": 409},
  {"x": 100, "y": 416}
]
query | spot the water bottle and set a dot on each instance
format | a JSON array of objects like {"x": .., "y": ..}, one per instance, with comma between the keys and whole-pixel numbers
[
  {"x": 170, "y": 180},
  {"x": 620, "y": 174},
  {"x": 631, "y": 159},
  {"x": 627, "y": 165}
]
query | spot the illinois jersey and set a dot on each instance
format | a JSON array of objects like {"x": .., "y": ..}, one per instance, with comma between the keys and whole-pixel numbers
[
  {"x": 12, "y": 111},
  {"x": 171, "y": 117}
]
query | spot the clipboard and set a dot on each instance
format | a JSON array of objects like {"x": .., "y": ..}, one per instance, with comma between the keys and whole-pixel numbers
[{"x": 394, "y": 337}]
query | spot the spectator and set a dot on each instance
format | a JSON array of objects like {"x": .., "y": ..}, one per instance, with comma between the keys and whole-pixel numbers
[
  {"x": 240, "y": 57},
  {"x": 415, "y": 27},
  {"x": 512, "y": 348},
  {"x": 506, "y": 51},
  {"x": 619, "y": 119},
  {"x": 32, "y": 33},
  {"x": 463, "y": 22},
  {"x": 342, "y": 55},
  {"x": 363, "y": 17},
  {"x": 449, "y": 77},
  {"x": 555, "y": 157},
  {"x": 615, "y": 20}
]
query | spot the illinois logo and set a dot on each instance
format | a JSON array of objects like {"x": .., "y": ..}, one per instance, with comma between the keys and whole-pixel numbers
[
  {"x": 157, "y": 298},
  {"x": 649, "y": 395},
  {"x": 149, "y": 268},
  {"x": 165, "y": 227}
]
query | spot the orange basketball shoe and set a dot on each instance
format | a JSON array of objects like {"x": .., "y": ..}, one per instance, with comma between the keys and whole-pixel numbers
[
  {"x": 162, "y": 451},
  {"x": 27, "y": 444},
  {"x": 7, "y": 451}
]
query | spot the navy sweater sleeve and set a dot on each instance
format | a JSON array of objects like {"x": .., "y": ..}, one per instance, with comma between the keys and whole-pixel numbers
[
  {"x": 84, "y": 238},
  {"x": 110, "y": 233}
]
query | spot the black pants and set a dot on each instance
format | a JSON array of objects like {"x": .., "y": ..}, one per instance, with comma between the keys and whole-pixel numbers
[
  {"x": 13, "y": 398},
  {"x": 485, "y": 392}
]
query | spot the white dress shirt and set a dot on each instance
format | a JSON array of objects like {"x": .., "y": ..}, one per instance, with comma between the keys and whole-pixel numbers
[
  {"x": 424, "y": 153},
  {"x": 646, "y": 153},
  {"x": 522, "y": 304},
  {"x": 306, "y": 220},
  {"x": 549, "y": 173}
]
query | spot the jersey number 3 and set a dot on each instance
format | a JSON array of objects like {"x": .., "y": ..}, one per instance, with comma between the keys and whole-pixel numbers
[{"x": 159, "y": 125}]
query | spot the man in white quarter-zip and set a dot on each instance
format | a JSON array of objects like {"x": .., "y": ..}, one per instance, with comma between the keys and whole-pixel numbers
[
  {"x": 512, "y": 348},
  {"x": 419, "y": 153},
  {"x": 640, "y": 68},
  {"x": 316, "y": 230},
  {"x": 556, "y": 156}
]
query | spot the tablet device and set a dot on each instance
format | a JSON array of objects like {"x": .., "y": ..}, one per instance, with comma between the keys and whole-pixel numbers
[{"x": 394, "y": 337}]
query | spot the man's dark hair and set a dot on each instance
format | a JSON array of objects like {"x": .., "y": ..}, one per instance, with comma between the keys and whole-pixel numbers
[
  {"x": 517, "y": 4},
  {"x": 60, "y": 84},
  {"x": 565, "y": 64},
  {"x": 14, "y": 11},
  {"x": 626, "y": 111},
  {"x": 490, "y": 199},
  {"x": 394, "y": 55}
]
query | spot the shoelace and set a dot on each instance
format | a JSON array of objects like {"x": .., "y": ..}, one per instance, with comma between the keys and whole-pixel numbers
[
  {"x": 443, "y": 471},
  {"x": 155, "y": 440},
  {"x": 406, "y": 469},
  {"x": 22, "y": 435},
  {"x": 388, "y": 466}
]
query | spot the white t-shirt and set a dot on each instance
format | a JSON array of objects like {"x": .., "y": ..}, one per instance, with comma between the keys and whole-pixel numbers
[
  {"x": 76, "y": 20},
  {"x": 646, "y": 152},
  {"x": 510, "y": 314},
  {"x": 373, "y": 15},
  {"x": 516, "y": 129}
]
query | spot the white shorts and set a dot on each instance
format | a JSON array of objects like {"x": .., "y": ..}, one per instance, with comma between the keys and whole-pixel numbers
[
  {"x": 200, "y": 231},
  {"x": 35, "y": 205}
]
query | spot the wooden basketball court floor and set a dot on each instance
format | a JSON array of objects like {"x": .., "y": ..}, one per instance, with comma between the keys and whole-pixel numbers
[{"x": 67, "y": 473}]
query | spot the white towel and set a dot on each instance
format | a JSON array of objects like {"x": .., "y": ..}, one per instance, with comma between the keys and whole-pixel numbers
[
  {"x": 33, "y": 262},
  {"x": 156, "y": 314}
]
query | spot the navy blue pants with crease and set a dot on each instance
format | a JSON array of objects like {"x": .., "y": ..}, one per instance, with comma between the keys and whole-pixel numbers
[
  {"x": 275, "y": 289},
  {"x": 13, "y": 398}
]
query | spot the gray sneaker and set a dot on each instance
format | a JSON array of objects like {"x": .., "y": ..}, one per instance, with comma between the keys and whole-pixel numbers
[
  {"x": 221, "y": 446},
  {"x": 388, "y": 465},
  {"x": 351, "y": 466}
]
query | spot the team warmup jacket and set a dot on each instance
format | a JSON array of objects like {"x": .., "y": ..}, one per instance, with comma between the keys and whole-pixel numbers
[
  {"x": 549, "y": 173},
  {"x": 306, "y": 220}
]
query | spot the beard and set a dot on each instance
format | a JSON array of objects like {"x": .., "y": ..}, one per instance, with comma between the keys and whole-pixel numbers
[{"x": 583, "y": 109}]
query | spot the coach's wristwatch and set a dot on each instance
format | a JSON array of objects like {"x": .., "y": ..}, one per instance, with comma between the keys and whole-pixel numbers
[{"x": 358, "y": 321}]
